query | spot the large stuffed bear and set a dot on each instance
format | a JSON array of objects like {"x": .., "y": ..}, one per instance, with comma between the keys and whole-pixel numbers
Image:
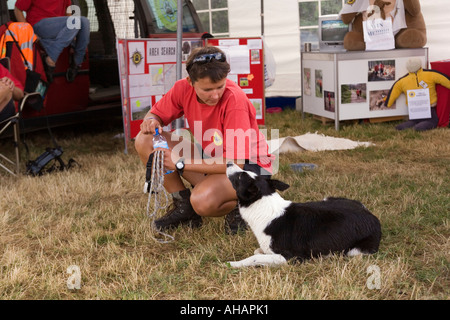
[{"x": 411, "y": 35}]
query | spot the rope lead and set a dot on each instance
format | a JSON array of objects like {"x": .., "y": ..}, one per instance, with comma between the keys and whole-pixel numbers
[{"x": 157, "y": 193}]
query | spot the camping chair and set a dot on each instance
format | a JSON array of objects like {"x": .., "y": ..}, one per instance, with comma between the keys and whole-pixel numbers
[{"x": 8, "y": 163}]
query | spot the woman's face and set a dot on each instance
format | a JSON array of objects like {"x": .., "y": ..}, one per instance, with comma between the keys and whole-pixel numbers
[{"x": 209, "y": 92}]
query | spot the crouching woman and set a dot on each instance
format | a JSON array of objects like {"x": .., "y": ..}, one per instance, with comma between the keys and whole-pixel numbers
[{"x": 223, "y": 122}]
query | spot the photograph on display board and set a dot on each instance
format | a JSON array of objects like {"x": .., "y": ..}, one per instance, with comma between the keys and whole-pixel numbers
[
  {"x": 354, "y": 93},
  {"x": 243, "y": 82},
  {"x": 377, "y": 100},
  {"x": 381, "y": 70},
  {"x": 319, "y": 88},
  {"x": 257, "y": 103},
  {"x": 188, "y": 46},
  {"x": 307, "y": 81},
  {"x": 329, "y": 101},
  {"x": 255, "y": 57},
  {"x": 139, "y": 107}
]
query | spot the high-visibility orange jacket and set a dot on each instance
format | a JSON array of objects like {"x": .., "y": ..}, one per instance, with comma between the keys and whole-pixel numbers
[{"x": 24, "y": 34}]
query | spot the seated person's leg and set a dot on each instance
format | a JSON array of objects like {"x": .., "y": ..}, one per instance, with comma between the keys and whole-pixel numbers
[
  {"x": 55, "y": 34},
  {"x": 7, "y": 108},
  {"x": 81, "y": 43}
]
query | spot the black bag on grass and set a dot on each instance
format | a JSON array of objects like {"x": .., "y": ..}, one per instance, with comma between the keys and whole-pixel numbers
[{"x": 43, "y": 163}]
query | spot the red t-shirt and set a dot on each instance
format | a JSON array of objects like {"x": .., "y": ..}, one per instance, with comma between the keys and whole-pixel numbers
[
  {"x": 5, "y": 73},
  {"x": 228, "y": 129},
  {"x": 37, "y": 10}
]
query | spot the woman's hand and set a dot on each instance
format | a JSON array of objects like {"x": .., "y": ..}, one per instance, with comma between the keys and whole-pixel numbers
[
  {"x": 8, "y": 83},
  {"x": 168, "y": 163},
  {"x": 149, "y": 125}
]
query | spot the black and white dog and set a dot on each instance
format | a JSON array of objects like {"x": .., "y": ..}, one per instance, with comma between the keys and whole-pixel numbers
[{"x": 286, "y": 230}]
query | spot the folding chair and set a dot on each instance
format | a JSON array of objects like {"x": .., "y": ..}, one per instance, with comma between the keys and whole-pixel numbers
[{"x": 12, "y": 164}]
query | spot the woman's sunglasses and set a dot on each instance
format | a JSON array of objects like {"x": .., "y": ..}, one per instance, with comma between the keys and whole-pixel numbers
[{"x": 208, "y": 57}]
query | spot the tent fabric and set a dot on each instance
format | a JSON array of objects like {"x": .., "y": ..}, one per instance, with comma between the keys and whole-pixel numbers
[{"x": 282, "y": 35}]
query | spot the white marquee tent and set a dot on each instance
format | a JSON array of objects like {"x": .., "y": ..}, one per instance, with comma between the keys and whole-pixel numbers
[{"x": 282, "y": 35}]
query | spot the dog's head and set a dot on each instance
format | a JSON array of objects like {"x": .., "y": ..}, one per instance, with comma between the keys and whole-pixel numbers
[{"x": 251, "y": 187}]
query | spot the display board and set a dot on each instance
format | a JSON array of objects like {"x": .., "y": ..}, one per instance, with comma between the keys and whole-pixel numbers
[
  {"x": 147, "y": 69},
  {"x": 246, "y": 58},
  {"x": 355, "y": 85}
]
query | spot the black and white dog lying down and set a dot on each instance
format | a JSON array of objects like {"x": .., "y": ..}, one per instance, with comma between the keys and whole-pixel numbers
[{"x": 286, "y": 230}]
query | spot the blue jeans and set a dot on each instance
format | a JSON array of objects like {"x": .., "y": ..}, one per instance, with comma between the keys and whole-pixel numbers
[{"x": 59, "y": 32}]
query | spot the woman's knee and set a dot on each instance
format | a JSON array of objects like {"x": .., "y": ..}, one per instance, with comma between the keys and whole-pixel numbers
[
  {"x": 201, "y": 203},
  {"x": 207, "y": 203},
  {"x": 143, "y": 145}
]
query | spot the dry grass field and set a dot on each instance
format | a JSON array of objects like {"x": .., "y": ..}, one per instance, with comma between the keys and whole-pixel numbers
[{"x": 94, "y": 217}]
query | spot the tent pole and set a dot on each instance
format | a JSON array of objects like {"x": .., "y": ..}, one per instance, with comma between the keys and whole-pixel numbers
[
  {"x": 262, "y": 17},
  {"x": 179, "y": 123},
  {"x": 179, "y": 36}
]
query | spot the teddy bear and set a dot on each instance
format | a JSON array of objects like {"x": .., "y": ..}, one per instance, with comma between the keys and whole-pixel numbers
[{"x": 413, "y": 36}]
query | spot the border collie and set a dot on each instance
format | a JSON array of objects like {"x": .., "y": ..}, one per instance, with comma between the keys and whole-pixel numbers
[{"x": 286, "y": 230}]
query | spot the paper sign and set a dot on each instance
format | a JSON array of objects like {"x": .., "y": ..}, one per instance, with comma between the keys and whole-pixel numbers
[
  {"x": 378, "y": 34},
  {"x": 161, "y": 51},
  {"x": 139, "y": 85},
  {"x": 239, "y": 59},
  {"x": 419, "y": 104}
]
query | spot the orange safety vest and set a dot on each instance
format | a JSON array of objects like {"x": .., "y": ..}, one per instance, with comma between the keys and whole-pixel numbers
[{"x": 24, "y": 34}]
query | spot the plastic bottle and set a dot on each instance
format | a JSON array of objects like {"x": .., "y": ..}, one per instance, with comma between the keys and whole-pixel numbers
[{"x": 160, "y": 142}]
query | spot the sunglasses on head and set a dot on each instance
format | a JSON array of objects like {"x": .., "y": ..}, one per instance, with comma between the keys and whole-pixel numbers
[{"x": 208, "y": 57}]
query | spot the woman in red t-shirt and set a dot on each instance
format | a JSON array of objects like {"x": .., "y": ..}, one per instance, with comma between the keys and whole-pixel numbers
[
  {"x": 222, "y": 120},
  {"x": 10, "y": 89}
]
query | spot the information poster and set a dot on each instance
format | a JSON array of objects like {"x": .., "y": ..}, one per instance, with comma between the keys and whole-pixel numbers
[
  {"x": 147, "y": 71},
  {"x": 419, "y": 104},
  {"x": 246, "y": 58}
]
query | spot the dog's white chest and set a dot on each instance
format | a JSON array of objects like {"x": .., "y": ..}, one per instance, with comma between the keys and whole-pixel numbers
[{"x": 260, "y": 214}]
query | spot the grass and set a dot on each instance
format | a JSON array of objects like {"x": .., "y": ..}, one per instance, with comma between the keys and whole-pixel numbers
[{"x": 95, "y": 217}]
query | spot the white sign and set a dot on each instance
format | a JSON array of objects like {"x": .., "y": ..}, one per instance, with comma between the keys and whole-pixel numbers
[
  {"x": 239, "y": 59},
  {"x": 419, "y": 104},
  {"x": 161, "y": 51},
  {"x": 378, "y": 34}
]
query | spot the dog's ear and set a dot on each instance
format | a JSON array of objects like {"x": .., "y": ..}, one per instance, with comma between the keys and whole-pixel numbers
[{"x": 278, "y": 185}]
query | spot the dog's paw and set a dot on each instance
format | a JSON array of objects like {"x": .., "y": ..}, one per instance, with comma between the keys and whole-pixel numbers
[
  {"x": 234, "y": 264},
  {"x": 259, "y": 251}
]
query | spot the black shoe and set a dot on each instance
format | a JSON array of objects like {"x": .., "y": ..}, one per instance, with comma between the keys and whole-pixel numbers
[
  {"x": 49, "y": 72},
  {"x": 234, "y": 222},
  {"x": 71, "y": 73},
  {"x": 181, "y": 213}
]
